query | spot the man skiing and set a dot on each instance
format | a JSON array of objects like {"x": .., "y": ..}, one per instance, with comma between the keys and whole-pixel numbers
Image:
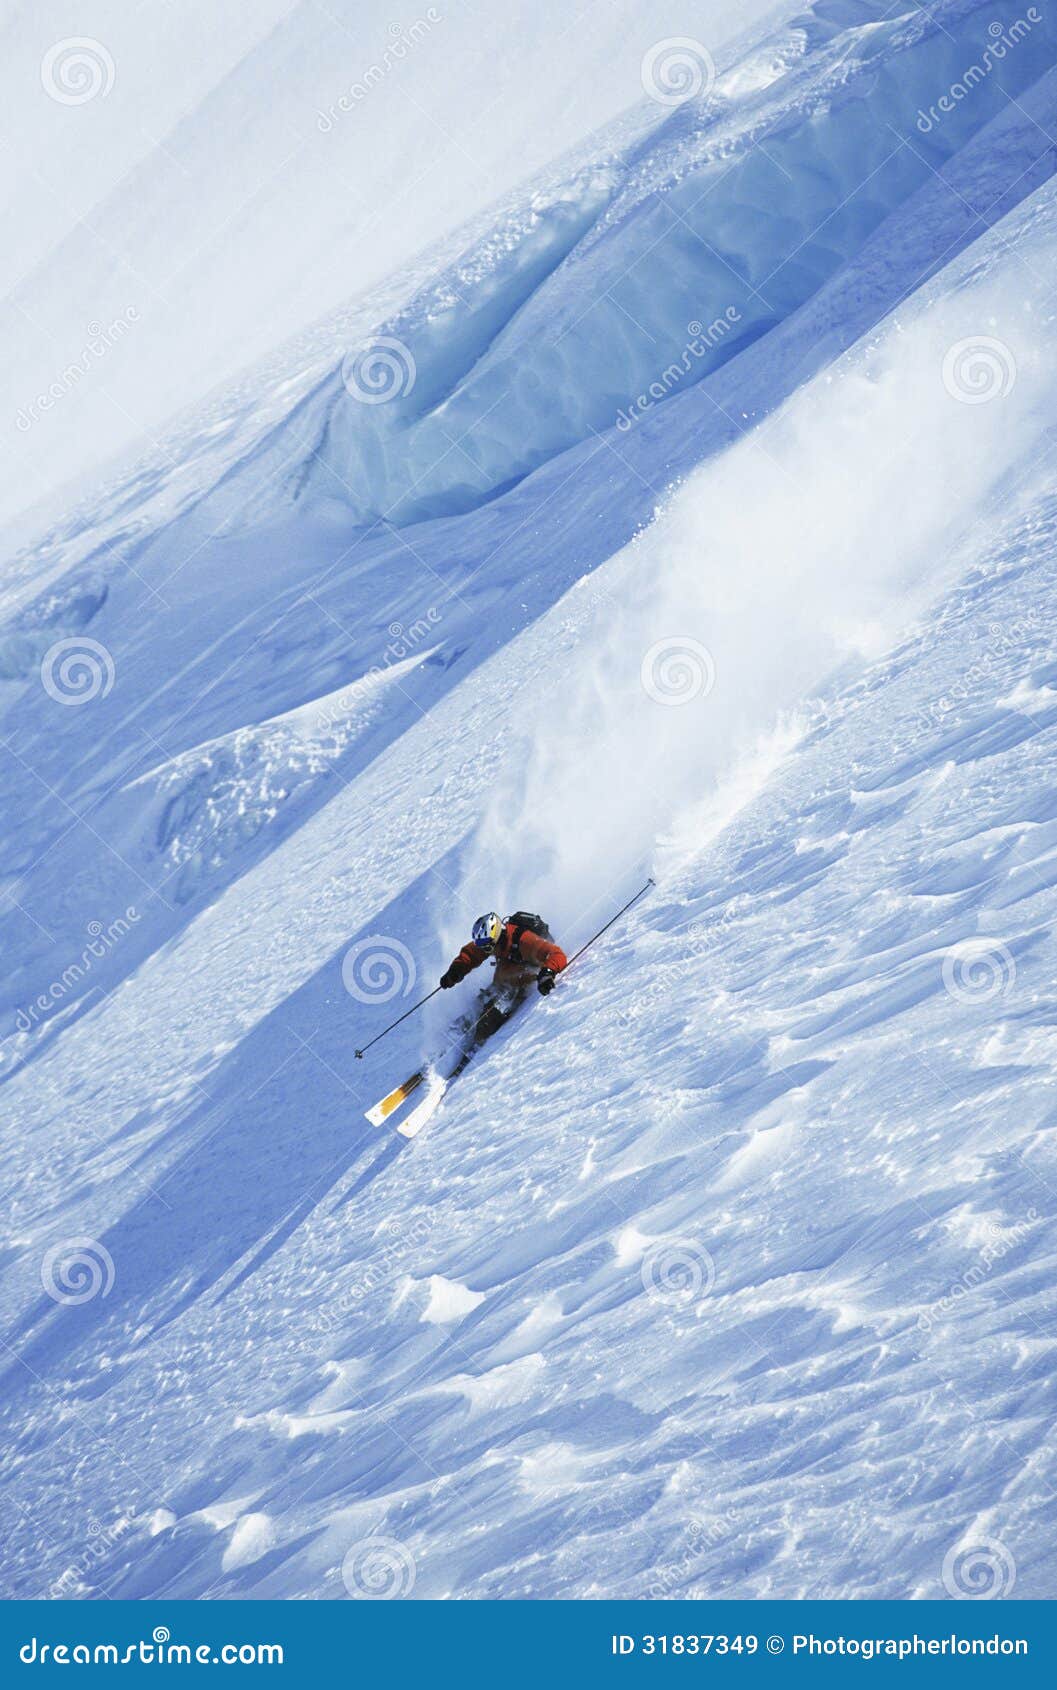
[{"x": 521, "y": 945}]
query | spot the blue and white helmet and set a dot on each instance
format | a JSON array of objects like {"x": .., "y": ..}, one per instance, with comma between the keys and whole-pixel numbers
[{"x": 487, "y": 930}]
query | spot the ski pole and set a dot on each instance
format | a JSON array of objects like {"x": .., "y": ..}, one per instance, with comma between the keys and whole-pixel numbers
[
  {"x": 639, "y": 894},
  {"x": 398, "y": 1020}
]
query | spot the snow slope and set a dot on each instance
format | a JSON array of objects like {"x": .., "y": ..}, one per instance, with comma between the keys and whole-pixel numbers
[
  {"x": 727, "y": 1269},
  {"x": 186, "y": 186}
]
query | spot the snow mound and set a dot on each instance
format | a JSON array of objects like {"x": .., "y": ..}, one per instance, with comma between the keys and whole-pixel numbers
[
  {"x": 254, "y": 1536},
  {"x": 448, "y": 1301},
  {"x": 212, "y": 800}
]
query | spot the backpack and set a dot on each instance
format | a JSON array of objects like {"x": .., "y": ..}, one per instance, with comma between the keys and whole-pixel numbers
[{"x": 523, "y": 922}]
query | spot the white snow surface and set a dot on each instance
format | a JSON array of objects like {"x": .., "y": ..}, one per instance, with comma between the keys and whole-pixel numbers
[
  {"x": 728, "y": 1268},
  {"x": 240, "y": 169}
]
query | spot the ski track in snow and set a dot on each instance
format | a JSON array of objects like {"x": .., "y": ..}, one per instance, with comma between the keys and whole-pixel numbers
[{"x": 728, "y": 1269}]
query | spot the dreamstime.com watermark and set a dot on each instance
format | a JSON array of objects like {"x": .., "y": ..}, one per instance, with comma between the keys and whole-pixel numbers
[
  {"x": 77, "y": 70},
  {"x": 700, "y": 1536},
  {"x": 381, "y": 370},
  {"x": 378, "y": 1569},
  {"x": 77, "y": 1270},
  {"x": 701, "y": 937},
  {"x": 402, "y": 39},
  {"x": 979, "y": 1571},
  {"x": 101, "y": 941},
  {"x": 160, "y": 1650},
  {"x": 102, "y": 338},
  {"x": 76, "y": 1579},
  {"x": 703, "y": 337},
  {"x": 1004, "y": 37},
  {"x": 77, "y": 670},
  {"x": 677, "y": 69},
  {"x": 977, "y": 970},
  {"x": 1005, "y": 639},
  {"x": 378, "y": 968},
  {"x": 378, "y": 1274},
  {"x": 676, "y": 670},
  {"x": 404, "y": 642},
  {"x": 677, "y": 1270},
  {"x": 1004, "y": 1239},
  {"x": 978, "y": 369}
]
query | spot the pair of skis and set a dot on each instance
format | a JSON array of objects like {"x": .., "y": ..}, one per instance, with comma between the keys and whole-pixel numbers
[
  {"x": 379, "y": 1114},
  {"x": 489, "y": 1021}
]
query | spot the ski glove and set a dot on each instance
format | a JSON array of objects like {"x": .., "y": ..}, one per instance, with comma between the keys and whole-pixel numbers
[
  {"x": 545, "y": 980},
  {"x": 451, "y": 976}
]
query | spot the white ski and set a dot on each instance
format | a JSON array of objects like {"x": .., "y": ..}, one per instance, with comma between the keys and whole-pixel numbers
[{"x": 418, "y": 1117}]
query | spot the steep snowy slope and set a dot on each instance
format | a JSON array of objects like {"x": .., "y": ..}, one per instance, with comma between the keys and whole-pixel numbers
[
  {"x": 728, "y": 1268},
  {"x": 185, "y": 186},
  {"x": 231, "y": 582}
]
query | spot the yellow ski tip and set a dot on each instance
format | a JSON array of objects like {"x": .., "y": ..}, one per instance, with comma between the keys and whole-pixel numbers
[{"x": 380, "y": 1112}]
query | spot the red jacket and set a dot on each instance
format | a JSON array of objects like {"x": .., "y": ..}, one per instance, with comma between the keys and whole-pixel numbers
[{"x": 533, "y": 951}]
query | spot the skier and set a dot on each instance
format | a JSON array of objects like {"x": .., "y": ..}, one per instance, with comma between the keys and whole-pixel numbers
[{"x": 520, "y": 945}]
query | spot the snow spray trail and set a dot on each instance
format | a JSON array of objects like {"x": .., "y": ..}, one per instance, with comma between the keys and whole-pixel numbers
[{"x": 816, "y": 538}]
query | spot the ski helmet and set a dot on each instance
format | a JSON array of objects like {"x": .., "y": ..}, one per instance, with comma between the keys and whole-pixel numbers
[{"x": 487, "y": 929}]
